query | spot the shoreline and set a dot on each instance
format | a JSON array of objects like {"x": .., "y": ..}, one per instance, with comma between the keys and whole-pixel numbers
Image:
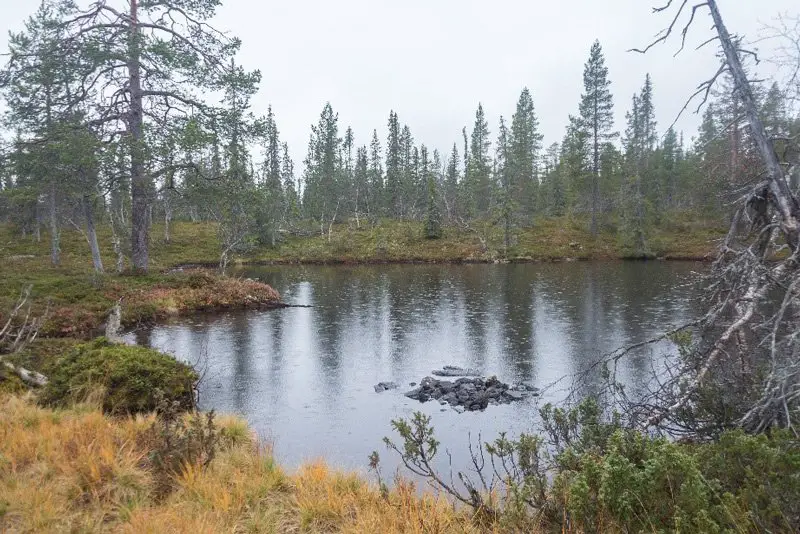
[
  {"x": 80, "y": 299},
  {"x": 707, "y": 258}
]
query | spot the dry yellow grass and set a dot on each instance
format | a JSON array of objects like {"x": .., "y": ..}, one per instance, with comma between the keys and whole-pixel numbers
[{"x": 77, "y": 470}]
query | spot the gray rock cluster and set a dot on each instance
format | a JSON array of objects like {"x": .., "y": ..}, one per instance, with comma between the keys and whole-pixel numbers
[{"x": 471, "y": 394}]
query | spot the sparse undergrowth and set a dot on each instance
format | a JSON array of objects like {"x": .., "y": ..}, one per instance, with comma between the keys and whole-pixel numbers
[
  {"x": 77, "y": 300},
  {"x": 548, "y": 239}
]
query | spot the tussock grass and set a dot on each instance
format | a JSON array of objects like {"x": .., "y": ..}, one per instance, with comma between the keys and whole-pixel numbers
[{"x": 76, "y": 470}]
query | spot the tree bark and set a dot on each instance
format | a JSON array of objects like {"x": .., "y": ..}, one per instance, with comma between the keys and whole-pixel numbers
[
  {"x": 115, "y": 241},
  {"x": 55, "y": 231},
  {"x": 140, "y": 189},
  {"x": 595, "y": 170},
  {"x": 91, "y": 234},
  {"x": 167, "y": 219},
  {"x": 31, "y": 378}
]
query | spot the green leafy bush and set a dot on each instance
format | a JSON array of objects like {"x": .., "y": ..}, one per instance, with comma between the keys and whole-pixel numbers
[{"x": 129, "y": 379}]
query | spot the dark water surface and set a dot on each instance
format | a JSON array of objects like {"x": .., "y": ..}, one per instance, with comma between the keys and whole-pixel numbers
[{"x": 304, "y": 377}]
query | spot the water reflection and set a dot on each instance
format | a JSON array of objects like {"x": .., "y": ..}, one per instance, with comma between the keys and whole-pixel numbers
[{"x": 303, "y": 377}]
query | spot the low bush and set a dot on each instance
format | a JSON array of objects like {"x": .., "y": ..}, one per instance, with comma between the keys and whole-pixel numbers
[
  {"x": 128, "y": 379},
  {"x": 586, "y": 474},
  {"x": 180, "y": 441}
]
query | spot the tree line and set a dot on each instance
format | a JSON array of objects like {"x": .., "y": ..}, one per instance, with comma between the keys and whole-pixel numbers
[{"x": 112, "y": 123}]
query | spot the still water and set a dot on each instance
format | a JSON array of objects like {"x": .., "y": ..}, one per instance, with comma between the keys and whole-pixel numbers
[{"x": 304, "y": 377}]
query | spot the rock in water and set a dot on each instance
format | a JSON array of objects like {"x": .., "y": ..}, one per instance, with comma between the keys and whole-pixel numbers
[
  {"x": 452, "y": 370},
  {"x": 384, "y": 386},
  {"x": 414, "y": 393},
  {"x": 470, "y": 394}
]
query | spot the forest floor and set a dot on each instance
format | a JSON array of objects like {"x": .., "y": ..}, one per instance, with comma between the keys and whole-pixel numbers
[{"x": 549, "y": 239}]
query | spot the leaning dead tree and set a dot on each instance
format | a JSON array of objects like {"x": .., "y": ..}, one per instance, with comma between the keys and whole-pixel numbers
[
  {"x": 19, "y": 329},
  {"x": 743, "y": 369}
]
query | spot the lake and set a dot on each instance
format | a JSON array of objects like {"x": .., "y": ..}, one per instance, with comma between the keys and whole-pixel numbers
[{"x": 304, "y": 377}]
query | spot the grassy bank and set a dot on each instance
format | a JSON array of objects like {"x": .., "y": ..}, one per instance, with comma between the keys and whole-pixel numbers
[{"x": 77, "y": 470}]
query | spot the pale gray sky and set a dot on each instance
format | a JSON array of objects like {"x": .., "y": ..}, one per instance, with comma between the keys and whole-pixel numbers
[{"x": 432, "y": 61}]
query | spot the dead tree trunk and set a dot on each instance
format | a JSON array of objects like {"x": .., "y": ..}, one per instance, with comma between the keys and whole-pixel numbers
[
  {"x": 746, "y": 355},
  {"x": 16, "y": 333},
  {"x": 779, "y": 188}
]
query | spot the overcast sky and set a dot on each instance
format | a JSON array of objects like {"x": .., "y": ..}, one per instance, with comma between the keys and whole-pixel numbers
[{"x": 432, "y": 61}]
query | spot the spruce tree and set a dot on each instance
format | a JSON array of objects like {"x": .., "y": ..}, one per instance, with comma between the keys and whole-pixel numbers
[
  {"x": 322, "y": 191},
  {"x": 376, "y": 186},
  {"x": 525, "y": 144},
  {"x": 433, "y": 218},
  {"x": 597, "y": 120},
  {"x": 555, "y": 194},
  {"x": 346, "y": 189},
  {"x": 668, "y": 167},
  {"x": 292, "y": 203},
  {"x": 360, "y": 190},
  {"x": 393, "y": 170},
  {"x": 575, "y": 166},
  {"x": 632, "y": 208},
  {"x": 425, "y": 171},
  {"x": 646, "y": 144},
  {"x": 273, "y": 202},
  {"x": 479, "y": 175},
  {"x": 409, "y": 162},
  {"x": 451, "y": 184},
  {"x": 504, "y": 178}
]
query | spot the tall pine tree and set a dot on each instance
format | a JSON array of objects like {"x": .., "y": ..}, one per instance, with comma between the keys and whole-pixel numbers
[
  {"x": 597, "y": 120},
  {"x": 525, "y": 144},
  {"x": 393, "y": 170},
  {"x": 478, "y": 180}
]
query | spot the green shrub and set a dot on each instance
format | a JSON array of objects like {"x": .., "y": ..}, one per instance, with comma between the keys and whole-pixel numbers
[
  {"x": 640, "y": 483},
  {"x": 129, "y": 379},
  {"x": 757, "y": 477},
  {"x": 586, "y": 473}
]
